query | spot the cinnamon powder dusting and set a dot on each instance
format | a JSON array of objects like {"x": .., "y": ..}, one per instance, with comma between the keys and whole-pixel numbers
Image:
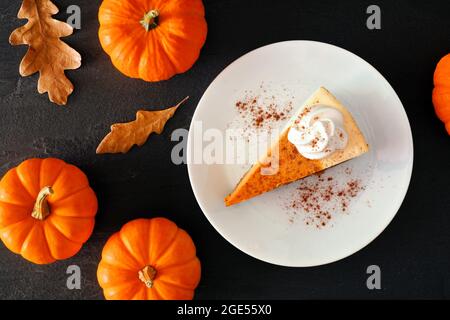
[
  {"x": 319, "y": 198},
  {"x": 259, "y": 111}
]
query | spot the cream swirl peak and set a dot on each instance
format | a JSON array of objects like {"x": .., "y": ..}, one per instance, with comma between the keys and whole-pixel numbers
[{"x": 318, "y": 132}]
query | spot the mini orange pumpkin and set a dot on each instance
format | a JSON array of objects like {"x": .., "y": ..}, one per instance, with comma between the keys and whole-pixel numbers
[
  {"x": 152, "y": 39},
  {"x": 441, "y": 92},
  {"x": 47, "y": 210},
  {"x": 149, "y": 259}
]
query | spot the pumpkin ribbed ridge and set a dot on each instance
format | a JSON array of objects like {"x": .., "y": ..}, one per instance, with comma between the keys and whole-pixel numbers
[
  {"x": 169, "y": 48},
  {"x": 153, "y": 256},
  {"x": 39, "y": 235},
  {"x": 441, "y": 91}
]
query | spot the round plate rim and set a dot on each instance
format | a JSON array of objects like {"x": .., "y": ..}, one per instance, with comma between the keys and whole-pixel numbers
[{"x": 405, "y": 186}]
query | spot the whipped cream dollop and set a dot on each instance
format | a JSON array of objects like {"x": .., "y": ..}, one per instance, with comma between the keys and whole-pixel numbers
[{"x": 318, "y": 132}]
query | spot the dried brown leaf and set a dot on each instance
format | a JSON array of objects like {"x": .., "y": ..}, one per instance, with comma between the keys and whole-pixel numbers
[
  {"x": 124, "y": 136},
  {"x": 46, "y": 53}
]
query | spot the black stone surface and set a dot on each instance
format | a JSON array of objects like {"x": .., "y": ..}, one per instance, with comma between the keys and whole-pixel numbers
[{"x": 413, "y": 252}]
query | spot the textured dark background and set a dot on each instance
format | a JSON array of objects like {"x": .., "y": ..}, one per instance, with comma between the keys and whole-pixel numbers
[{"x": 414, "y": 251}]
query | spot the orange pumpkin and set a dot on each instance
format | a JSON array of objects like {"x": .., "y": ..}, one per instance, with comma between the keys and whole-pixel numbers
[
  {"x": 47, "y": 210},
  {"x": 441, "y": 92},
  {"x": 149, "y": 259},
  {"x": 152, "y": 39}
]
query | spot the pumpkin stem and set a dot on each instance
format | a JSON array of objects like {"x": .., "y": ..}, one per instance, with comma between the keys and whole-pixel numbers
[
  {"x": 147, "y": 275},
  {"x": 41, "y": 208},
  {"x": 150, "y": 20}
]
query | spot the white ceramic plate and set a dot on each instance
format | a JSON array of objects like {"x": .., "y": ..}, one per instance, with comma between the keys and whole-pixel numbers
[{"x": 261, "y": 227}]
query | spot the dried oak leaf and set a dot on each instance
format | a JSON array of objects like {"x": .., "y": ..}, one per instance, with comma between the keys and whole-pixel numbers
[
  {"x": 46, "y": 53},
  {"x": 124, "y": 136}
]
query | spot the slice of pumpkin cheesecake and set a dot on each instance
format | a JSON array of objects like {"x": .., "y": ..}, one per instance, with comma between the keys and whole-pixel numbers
[{"x": 320, "y": 135}]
